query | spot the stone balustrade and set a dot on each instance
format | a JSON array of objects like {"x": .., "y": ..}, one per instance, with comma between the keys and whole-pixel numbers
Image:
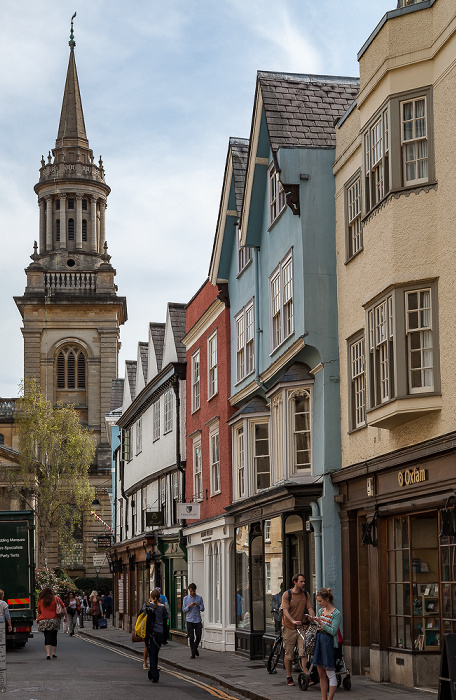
[
  {"x": 85, "y": 281},
  {"x": 7, "y": 407}
]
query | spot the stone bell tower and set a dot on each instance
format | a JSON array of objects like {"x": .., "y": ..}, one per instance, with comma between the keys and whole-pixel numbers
[{"x": 70, "y": 309}]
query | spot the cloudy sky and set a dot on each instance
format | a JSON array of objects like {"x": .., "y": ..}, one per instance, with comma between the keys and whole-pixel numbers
[{"x": 163, "y": 85}]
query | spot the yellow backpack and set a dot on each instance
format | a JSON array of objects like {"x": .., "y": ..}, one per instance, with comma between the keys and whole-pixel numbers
[{"x": 140, "y": 626}]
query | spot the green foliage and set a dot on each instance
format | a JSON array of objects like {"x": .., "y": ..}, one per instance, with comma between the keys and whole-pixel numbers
[
  {"x": 90, "y": 584},
  {"x": 53, "y": 471}
]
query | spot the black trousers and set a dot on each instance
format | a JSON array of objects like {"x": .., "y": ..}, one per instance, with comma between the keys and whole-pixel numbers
[
  {"x": 50, "y": 638},
  {"x": 154, "y": 645},
  {"x": 194, "y": 631}
]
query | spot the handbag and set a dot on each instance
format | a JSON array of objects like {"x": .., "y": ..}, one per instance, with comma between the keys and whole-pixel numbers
[
  {"x": 59, "y": 609},
  {"x": 52, "y": 623},
  {"x": 135, "y": 638}
]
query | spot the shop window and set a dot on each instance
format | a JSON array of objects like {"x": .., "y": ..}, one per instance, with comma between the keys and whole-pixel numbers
[
  {"x": 257, "y": 583},
  {"x": 294, "y": 539},
  {"x": 413, "y": 582},
  {"x": 273, "y": 575},
  {"x": 214, "y": 583},
  {"x": 242, "y": 601},
  {"x": 448, "y": 580}
]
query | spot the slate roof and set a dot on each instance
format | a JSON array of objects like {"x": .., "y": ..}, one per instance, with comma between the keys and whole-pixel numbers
[
  {"x": 177, "y": 318},
  {"x": 157, "y": 336},
  {"x": 239, "y": 151},
  {"x": 256, "y": 405},
  {"x": 301, "y": 110},
  {"x": 117, "y": 388},
  {"x": 144, "y": 355},
  {"x": 130, "y": 366},
  {"x": 297, "y": 372}
]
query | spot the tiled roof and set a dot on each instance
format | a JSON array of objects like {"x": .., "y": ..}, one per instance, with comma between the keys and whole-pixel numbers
[
  {"x": 177, "y": 318},
  {"x": 117, "y": 388},
  {"x": 239, "y": 150},
  {"x": 144, "y": 355},
  {"x": 130, "y": 366},
  {"x": 157, "y": 336},
  {"x": 256, "y": 405},
  {"x": 301, "y": 110}
]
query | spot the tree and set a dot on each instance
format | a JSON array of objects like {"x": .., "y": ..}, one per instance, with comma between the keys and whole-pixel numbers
[{"x": 52, "y": 474}]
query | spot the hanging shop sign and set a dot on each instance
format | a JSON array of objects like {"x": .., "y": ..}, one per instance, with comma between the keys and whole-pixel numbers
[{"x": 188, "y": 511}]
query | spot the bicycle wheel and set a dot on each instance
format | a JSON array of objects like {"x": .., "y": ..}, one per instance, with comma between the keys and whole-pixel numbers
[{"x": 274, "y": 656}]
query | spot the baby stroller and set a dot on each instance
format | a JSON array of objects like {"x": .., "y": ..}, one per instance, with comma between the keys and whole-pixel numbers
[{"x": 342, "y": 672}]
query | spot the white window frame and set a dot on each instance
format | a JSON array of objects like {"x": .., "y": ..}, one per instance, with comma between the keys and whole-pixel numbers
[
  {"x": 294, "y": 433},
  {"x": 357, "y": 361},
  {"x": 267, "y": 577},
  {"x": 156, "y": 420},
  {"x": 256, "y": 456},
  {"x": 376, "y": 160},
  {"x": 267, "y": 530},
  {"x": 239, "y": 454},
  {"x": 281, "y": 302},
  {"x": 419, "y": 341},
  {"x": 138, "y": 435},
  {"x": 168, "y": 411},
  {"x": 214, "y": 457},
  {"x": 414, "y": 141},
  {"x": 381, "y": 340},
  {"x": 354, "y": 207},
  {"x": 212, "y": 365},
  {"x": 277, "y": 201},
  {"x": 197, "y": 469},
  {"x": 245, "y": 342},
  {"x": 196, "y": 381},
  {"x": 244, "y": 252}
]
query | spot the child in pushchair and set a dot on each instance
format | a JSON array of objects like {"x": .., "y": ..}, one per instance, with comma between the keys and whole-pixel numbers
[{"x": 312, "y": 677}]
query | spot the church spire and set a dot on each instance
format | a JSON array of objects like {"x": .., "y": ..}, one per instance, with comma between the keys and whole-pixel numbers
[{"x": 72, "y": 127}]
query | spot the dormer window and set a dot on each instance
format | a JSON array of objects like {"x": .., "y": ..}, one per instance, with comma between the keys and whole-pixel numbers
[{"x": 276, "y": 195}]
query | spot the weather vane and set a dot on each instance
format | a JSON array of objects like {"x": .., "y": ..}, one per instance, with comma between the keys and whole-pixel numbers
[{"x": 72, "y": 41}]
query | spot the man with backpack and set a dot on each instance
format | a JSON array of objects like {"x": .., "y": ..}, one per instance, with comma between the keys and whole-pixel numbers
[{"x": 296, "y": 606}]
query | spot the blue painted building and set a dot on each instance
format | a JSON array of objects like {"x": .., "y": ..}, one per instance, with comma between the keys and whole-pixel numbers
[{"x": 275, "y": 250}]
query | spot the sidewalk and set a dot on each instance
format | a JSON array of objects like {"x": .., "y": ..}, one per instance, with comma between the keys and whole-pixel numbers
[{"x": 250, "y": 678}]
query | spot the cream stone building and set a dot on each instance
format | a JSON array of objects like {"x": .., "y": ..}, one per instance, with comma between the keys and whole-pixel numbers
[
  {"x": 70, "y": 308},
  {"x": 396, "y": 214}
]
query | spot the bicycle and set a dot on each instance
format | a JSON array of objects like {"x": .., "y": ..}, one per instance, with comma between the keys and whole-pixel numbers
[{"x": 276, "y": 653}]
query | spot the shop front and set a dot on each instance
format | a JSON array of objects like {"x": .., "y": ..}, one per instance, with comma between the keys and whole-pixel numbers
[
  {"x": 399, "y": 562},
  {"x": 173, "y": 581},
  {"x": 274, "y": 540}
]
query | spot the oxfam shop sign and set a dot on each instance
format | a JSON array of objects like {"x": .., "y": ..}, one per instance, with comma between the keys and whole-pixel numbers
[{"x": 409, "y": 477}]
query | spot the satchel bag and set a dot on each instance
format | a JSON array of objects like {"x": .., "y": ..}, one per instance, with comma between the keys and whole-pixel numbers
[
  {"x": 310, "y": 638},
  {"x": 59, "y": 609}
]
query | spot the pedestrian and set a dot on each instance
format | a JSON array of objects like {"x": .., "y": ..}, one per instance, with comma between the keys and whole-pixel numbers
[
  {"x": 80, "y": 609},
  {"x": 48, "y": 619},
  {"x": 86, "y": 603},
  {"x": 4, "y": 611},
  {"x": 71, "y": 608},
  {"x": 95, "y": 608},
  {"x": 156, "y": 631},
  {"x": 164, "y": 601},
  {"x": 296, "y": 608},
  {"x": 328, "y": 621},
  {"x": 107, "y": 605},
  {"x": 193, "y": 606}
]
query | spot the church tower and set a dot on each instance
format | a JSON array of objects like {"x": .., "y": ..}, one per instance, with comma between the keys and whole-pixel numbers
[{"x": 70, "y": 309}]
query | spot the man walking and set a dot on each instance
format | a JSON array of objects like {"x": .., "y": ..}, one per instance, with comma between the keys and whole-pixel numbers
[
  {"x": 193, "y": 607},
  {"x": 296, "y": 604}
]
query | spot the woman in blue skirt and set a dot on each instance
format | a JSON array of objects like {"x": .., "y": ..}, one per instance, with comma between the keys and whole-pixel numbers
[{"x": 328, "y": 621}]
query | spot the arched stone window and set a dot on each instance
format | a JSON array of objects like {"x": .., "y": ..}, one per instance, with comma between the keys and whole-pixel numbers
[
  {"x": 84, "y": 229},
  {"x": 71, "y": 229},
  {"x": 71, "y": 368}
]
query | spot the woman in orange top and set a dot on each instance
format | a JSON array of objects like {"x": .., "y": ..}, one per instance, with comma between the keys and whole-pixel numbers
[{"x": 48, "y": 620}]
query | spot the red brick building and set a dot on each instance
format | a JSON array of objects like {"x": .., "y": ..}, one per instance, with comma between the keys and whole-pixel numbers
[{"x": 208, "y": 473}]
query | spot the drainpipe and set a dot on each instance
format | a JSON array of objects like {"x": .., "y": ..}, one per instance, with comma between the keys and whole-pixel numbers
[
  {"x": 316, "y": 520},
  {"x": 175, "y": 385},
  {"x": 258, "y": 330}
]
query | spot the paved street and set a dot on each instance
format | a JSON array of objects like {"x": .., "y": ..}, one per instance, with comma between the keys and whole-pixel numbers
[
  {"x": 105, "y": 663},
  {"x": 87, "y": 668}
]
